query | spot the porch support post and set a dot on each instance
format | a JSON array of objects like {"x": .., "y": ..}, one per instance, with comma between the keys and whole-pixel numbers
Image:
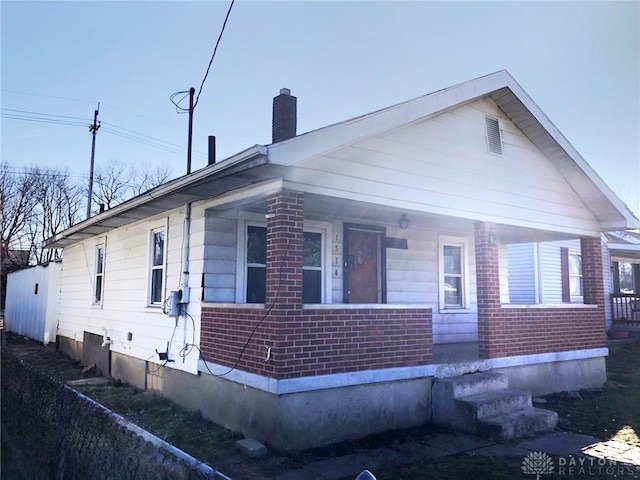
[
  {"x": 490, "y": 323},
  {"x": 592, "y": 271},
  {"x": 285, "y": 217}
]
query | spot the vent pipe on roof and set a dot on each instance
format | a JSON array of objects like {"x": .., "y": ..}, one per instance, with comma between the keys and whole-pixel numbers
[
  {"x": 212, "y": 149},
  {"x": 284, "y": 116}
]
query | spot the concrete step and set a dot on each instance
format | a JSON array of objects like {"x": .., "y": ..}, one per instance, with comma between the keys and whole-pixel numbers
[
  {"x": 526, "y": 422},
  {"x": 488, "y": 404},
  {"x": 471, "y": 384}
]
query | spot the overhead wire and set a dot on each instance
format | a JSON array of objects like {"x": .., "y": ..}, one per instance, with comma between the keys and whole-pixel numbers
[
  {"x": 215, "y": 49},
  {"x": 185, "y": 93},
  {"x": 51, "y": 118}
]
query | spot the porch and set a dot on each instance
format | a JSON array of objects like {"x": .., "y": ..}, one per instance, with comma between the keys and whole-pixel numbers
[
  {"x": 625, "y": 308},
  {"x": 283, "y": 337}
]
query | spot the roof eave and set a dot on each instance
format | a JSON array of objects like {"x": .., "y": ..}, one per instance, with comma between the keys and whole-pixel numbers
[{"x": 249, "y": 158}]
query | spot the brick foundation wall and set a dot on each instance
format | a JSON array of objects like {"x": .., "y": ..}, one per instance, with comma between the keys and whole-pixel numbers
[{"x": 317, "y": 342}]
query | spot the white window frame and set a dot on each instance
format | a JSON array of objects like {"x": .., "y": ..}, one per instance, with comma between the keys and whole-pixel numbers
[
  {"x": 97, "y": 274},
  {"x": 151, "y": 267},
  {"x": 463, "y": 244},
  {"x": 572, "y": 295},
  {"x": 247, "y": 219}
]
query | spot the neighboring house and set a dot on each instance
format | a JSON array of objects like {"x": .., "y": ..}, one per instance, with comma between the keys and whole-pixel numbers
[
  {"x": 551, "y": 272},
  {"x": 624, "y": 252},
  {"x": 324, "y": 283},
  {"x": 11, "y": 260},
  {"x": 32, "y": 301}
]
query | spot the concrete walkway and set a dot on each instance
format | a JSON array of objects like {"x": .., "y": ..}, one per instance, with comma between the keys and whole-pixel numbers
[{"x": 565, "y": 448}]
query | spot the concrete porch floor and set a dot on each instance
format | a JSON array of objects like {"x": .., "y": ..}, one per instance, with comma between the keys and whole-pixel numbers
[{"x": 455, "y": 352}]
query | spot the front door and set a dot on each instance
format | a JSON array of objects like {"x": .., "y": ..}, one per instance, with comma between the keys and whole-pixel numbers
[{"x": 363, "y": 265}]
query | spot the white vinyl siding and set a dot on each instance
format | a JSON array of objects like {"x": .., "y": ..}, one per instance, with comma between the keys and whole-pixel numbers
[
  {"x": 522, "y": 273},
  {"x": 441, "y": 165},
  {"x": 412, "y": 277},
  {"x": 125, "y": 307},
  {"x": 535, "y": 272},
  {"x": 220, "y": 257}
]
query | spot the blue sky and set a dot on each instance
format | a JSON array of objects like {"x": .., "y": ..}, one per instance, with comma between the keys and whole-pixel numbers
[{"x": 579, "y": 61}]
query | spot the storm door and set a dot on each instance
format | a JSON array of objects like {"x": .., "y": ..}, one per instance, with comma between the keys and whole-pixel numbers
[{"x": 364, "y": 264}]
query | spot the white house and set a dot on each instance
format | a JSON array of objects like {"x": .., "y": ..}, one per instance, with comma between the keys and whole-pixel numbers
[
  {"x": 551, "y": 272},
  {"x": 316, "y": 289}
]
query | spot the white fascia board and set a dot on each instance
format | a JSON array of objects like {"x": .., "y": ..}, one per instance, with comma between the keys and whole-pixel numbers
[
  {"x": 160, "y": 191},
  {"x": 628, "y": 220},
  {"x": 627, "y": 247}
]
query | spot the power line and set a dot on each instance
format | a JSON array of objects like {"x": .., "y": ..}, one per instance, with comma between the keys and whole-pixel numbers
[
  {"x": 35, "y": 119},
  {"x": 146, "y": 142},
  {"x": 41, "y": 171},
  {"x": 49, "y": 96},
  {"x": 56, "y": 119},
  {"x": 214, "y": 53},
  {"x": 104, "y": 104},
  {"x": 45, "y": 114}
]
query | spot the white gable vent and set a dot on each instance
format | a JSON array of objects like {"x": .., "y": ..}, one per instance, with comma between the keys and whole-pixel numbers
[{"x": 493, "y": 135}]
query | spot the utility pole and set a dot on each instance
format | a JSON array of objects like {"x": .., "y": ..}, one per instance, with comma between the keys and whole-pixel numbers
[
  {"x": 192, "y": 92},
  {"x": 94, "y": 131}
]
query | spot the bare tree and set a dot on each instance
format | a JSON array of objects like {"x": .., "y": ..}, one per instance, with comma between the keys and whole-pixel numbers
[
  {"x": 17, "y": 211},
  {"x": 112, "y": 183},
  {"x": 116, "y": 182},
  {"x": 59, "y": 203},
  {"x": 146, "y": 179}
]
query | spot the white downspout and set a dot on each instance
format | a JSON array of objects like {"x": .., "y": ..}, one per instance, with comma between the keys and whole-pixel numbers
[{"x": 184, "y": 278}]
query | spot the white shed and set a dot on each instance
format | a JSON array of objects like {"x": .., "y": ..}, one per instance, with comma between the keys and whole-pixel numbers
[{"x": 32, "y": 302}]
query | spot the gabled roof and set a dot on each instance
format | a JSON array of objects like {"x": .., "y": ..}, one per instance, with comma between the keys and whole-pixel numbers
[
  {"x": 262, "y": 163},
  {"x": 625, "y": 244},
  {"x": 501, "y": 87}
]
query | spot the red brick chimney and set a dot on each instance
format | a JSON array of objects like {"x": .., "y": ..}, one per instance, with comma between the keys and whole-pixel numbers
[{"x": 284, "y": 120}]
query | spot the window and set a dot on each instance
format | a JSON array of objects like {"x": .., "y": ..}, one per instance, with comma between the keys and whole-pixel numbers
[
  {"x": 99, "y": 283},
  {"x": 626, "y": 277},
  {"x": 156, "y": 290},
  {"x": 575, "y": 275},
  {"x": 494, "y": 140},
  {"x": 312, "y": 268},
  {"x": 256, "y": 265},
  {"x": 453, "y": 281}
]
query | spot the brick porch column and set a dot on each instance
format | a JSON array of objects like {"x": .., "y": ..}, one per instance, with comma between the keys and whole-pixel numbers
[
  {"x": 592, "y": 271},
  {"x": 490, "y": 322},
  {"x": 285, "y": 216}
]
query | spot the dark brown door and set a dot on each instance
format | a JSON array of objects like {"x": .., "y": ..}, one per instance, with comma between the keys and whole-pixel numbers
[{"x": 363, "y": 266}]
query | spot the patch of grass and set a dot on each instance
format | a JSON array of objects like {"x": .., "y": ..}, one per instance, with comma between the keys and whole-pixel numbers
[{"x": 610, "y": 412}]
